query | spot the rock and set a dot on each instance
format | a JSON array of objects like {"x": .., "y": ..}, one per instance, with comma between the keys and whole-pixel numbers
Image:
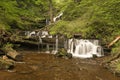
[
  {"x": 63, "y": 54},
  {"x": 6, "y": 63},
  {"x": 58, "y": 55},
  {"x": 1, "y": 52},
  {"x": 94, "y": 56},
  {"x": 4, "y": 57},
  {"x": 69, "y": 55}
]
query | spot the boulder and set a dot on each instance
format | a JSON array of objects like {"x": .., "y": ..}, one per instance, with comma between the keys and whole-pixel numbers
[
  {"x": 63, "y": 54},
  {"x": 6, "y": 63}
]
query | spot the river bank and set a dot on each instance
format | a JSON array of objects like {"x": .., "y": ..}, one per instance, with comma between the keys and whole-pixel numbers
[
  {"x": 113, "y": 66},
  {"x": 41, "y": 66}
]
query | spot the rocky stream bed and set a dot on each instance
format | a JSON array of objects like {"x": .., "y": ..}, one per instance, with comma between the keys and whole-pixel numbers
[{"x": 42, "y": 66}]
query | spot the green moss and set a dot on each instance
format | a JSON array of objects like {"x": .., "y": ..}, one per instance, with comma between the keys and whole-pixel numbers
[
  {"x": 118, "y": 67},
  {"x": 6, "y": 64}
]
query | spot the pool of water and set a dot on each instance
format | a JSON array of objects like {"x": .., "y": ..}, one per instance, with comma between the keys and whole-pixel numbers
[{"x": 39, "y": 66}]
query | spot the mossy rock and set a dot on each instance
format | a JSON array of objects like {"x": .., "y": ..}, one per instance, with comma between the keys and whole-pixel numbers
[
  {"x": 63, "y": 54},
  {"x": 6, "y": 64},
  {"x": 69, "y": 55},
  {"x": 58, "y": 54},
  {"x": 94, "y": 56}
]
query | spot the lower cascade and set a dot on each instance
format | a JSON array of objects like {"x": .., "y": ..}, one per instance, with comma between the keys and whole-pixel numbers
[{"x": 84, "y": 48}]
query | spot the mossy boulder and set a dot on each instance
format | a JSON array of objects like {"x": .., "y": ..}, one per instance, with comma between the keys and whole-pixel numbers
[
  {"x": 6, "y": 64},
  {"x": 63, "y": 54}
]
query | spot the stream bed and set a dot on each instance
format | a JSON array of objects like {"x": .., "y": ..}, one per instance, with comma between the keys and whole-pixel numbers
[{"x": 42, "y": 66}]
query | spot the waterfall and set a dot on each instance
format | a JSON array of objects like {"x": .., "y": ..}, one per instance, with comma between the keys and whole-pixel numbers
[
  {"x": 84, "y": 48},
  {"x": 70, "y": 46},
  {"x": 39, "y": 42},
  {"x": 57, "y": 17}
]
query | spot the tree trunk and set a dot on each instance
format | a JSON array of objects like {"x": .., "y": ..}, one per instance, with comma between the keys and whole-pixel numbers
[{"x": 51, "y": 11}]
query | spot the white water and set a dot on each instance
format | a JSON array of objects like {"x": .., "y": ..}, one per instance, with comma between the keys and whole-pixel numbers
[
  {"x": 84, "y": 48},
  {"x": 78, "y": 47},
  {"x": 57, "y": 17}
]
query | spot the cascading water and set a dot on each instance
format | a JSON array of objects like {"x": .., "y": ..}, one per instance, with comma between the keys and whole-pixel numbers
[
  {"x": 42, "y": 35},
  {"x": 39, "y": 42},
  {"x": 84, "y": 48}
]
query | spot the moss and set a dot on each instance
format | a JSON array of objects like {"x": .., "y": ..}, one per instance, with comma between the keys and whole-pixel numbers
[
  {"x": 6, "y": 64},
  {"x": 63, "y": 54},
  {"x": 118, "y": 67}
]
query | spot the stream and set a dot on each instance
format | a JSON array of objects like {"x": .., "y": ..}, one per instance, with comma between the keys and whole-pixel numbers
[{"x": 43, "y": 66}]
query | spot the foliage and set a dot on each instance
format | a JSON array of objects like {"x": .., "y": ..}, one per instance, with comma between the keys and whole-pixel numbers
[
  {"x": 28, "y": 14},
  {"x": 91, "y": 18},
  {"x": 116, "y": 49},
  {"x": 21, "y": 14},
  {"x": 8, "y": 46}
]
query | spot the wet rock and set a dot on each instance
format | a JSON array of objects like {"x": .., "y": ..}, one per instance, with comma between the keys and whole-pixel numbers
[
  {"x": 94, "y": 56},
  {"x": 63, "y": 54},
  {"x": 60, "y": 53},
  {"x": 69, "y": 55},
  {"x": 2, "y": 52},
  {"x": 6, "y": 63}
]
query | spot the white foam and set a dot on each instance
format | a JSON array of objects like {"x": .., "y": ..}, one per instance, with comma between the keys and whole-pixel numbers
[{"x": 84, "y": 48}]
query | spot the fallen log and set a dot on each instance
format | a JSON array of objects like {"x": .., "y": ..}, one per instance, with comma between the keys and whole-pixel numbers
[
  {"x": 6, "y": 47},
  {"x": 13, "y": 54},
  {"x": 112, "y": 58}
]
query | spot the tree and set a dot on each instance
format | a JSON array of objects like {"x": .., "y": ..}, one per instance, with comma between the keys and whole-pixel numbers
[{"x": 51, "y": 10}]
